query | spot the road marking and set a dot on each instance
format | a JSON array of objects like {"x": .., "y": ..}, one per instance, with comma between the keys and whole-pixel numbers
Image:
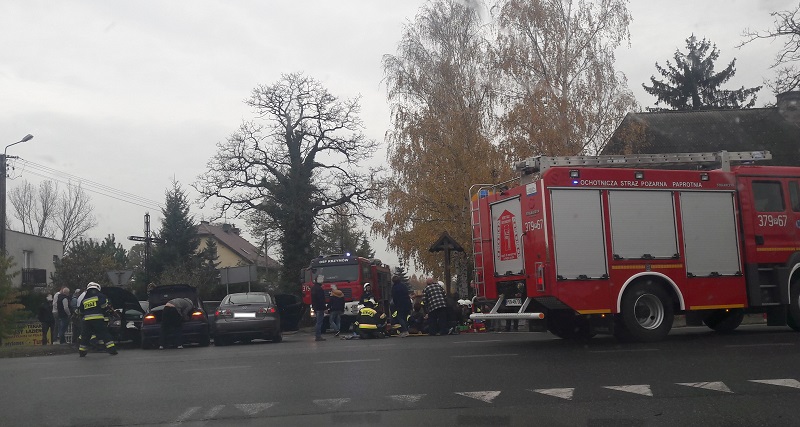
[
  {"x": 759, "y": 345},
  {"x": 643, "y": 389},
  {"x": 348, "y": 361},
  {"x": 782, "y": 382},
  {"x": 486, "y": 396},
  {"x": 563, "y": 393},
  {"x": 216, "y": 369},
  {"x": 185, "y": 416},
  {"x": 213, "y": 412},
  {"x": 716, "y": 385},
  {"x": 624, "y": 351},
  {"x": 331, "y": 404},
  {"x": 253, "y": 408},
  {"x": 485, "y": 355},
  {"x": 475, "y": 341},
  {"x": 76, "y": 376},
  {"x": 407, "y": 398}
]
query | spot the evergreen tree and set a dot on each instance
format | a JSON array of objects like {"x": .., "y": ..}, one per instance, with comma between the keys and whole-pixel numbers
[
  {"x": 207, "y": 274},
  {"x": 692, "y": 84},
  {"x": 9, "y": 297},
  {"x": 179, "y": 233},
  {"x": 400, "y": 271},
  {"x": 339, "y": 233},
  {"x": 364, "y": 248},
  {"x": 87, "y": 261}
]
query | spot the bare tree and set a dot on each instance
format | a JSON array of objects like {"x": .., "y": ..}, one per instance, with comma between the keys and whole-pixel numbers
[
  {"x": 35, "y": 208},
  {"x": 787, "y": 28},
  {"x": 22, "y": 200},
  {"x": 73, "y": 215}
]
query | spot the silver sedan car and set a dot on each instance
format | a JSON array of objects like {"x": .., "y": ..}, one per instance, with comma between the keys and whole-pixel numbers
[{"x": 246, "y": 316}]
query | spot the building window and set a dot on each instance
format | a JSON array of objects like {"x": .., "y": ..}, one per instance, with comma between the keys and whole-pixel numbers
[{"x": 26, "y": 259}]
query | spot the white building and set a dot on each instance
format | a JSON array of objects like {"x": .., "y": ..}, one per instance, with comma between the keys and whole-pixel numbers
[{"x": 34, "y": 258}]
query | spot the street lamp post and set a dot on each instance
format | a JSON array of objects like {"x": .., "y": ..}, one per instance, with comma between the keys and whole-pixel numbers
[{"x": 3, "y": 171}]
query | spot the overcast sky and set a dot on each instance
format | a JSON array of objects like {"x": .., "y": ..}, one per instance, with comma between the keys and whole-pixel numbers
[{"x": 133, "y": 94}]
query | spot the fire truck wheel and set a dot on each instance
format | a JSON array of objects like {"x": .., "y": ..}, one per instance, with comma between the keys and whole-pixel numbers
[
  {"x": 647, "y": 312},
  {"x": 724, "y": 321},
  {"x": 794, "y": 307}
]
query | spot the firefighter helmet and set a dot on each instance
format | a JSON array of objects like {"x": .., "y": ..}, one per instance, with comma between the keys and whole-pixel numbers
[
  {"x": 92, "y": 285},
  {"x": 367, "y": 285}
]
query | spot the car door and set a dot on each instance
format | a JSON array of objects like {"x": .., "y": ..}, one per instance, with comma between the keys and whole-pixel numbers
[{"x": 291, "y": 309}]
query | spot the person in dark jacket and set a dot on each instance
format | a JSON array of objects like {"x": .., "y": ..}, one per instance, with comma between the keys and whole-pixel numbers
[
  {"x": 402, "y": 303},
  {"x": 366, "y": 295},
  {"x": 45, "y": 316},
  {"x": 336, "y": 309},
  {"x": 175, "y": 312},
  {"x": 435, "y": 302},
  {"x": 93, "y": 310},
  {"x": 64, "y": 313},
  {"x": 318, "y": 304}
]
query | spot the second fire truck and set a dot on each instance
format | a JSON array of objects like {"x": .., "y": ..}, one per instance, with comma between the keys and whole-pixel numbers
[{"x": 620, "y": 245}]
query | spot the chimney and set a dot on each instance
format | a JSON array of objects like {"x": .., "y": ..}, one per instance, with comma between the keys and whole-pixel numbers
[
  {"x": 789, "y": 106},
  {"x": 226, "y": 228},
  {"x": 236, "y": 230}
]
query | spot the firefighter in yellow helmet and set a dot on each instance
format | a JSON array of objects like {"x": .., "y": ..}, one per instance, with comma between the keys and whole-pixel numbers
[
  {"x": 92, "y": 309},
  {"x": 371, "y": 321}
]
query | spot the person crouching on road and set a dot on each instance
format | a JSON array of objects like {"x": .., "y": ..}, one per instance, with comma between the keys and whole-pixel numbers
[
  {"x": 336, "y": 309},
  {"x": 172, "y": 317},
  {"x": 435, "y": 302},
  {"x": 92, "y": 309}
]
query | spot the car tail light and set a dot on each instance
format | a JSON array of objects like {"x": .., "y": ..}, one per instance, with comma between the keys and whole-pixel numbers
[
  {"x": 150, "y": 319},
  {"x": 263, "y": 311},
  {"x": 197, "y": 314},
  {"x": 223, "y": 313}
]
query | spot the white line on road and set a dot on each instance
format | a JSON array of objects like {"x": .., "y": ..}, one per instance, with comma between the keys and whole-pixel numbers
[
  {"x": 76, "y": 376},
  {"x": 215, "y": 369},
  {"x": 478, "y": 341},
  {"x": 349, "y": 361},
  {"x": 185, "y": 416},
  {"x": 759, "y": 345},
  {"x": 624, "y": 351},
  {"x": 485, "y": 355},
  {"x": 213, "y": 412}
]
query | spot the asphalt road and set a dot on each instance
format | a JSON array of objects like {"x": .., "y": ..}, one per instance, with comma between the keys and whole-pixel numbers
[{"x": 695, "y": 377}]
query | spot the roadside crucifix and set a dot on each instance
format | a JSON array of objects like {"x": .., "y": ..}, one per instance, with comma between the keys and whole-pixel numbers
[
  {"x": 148, "y": 240},
  {"x": 446, "y": 244}
]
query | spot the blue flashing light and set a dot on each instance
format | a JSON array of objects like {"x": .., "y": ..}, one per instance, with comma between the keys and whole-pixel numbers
[{"x": 575, "y": 182}]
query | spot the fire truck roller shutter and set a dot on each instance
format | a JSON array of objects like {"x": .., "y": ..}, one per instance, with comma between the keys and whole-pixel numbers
[
  {"x": 578, "y": 233},
  {"x": 709, "y": 233},
  {"x": 643, "y": 224}
]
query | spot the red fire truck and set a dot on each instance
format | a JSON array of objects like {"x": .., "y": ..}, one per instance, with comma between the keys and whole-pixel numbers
[
  {"x": 620, "y": 244},
  {"x": 349, "y": 273}
]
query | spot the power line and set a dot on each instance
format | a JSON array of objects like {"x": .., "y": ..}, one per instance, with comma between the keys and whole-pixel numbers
[{"x": 88, "y": 185}]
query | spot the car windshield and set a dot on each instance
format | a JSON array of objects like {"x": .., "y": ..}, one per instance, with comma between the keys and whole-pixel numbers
[
  {"x": 338, "y": 273},
  {"x": 247, "y": 299}
]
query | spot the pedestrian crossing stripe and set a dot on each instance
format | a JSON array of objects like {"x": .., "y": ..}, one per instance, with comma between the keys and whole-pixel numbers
[
  {"x": 643, "y": 389},
  {"x": 331, "y": 404},
  {"x": 781, "y": 382},
  {"x": 486, "y": 396},
  {"x": 253, "y": 408},
  {"x": 563, "y": 393},
  {"x": 407, "y": 398},
  {"x": 716, "y": 385}
]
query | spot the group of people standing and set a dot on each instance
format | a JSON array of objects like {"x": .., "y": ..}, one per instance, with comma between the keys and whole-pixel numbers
[
  {"x": 430, "y": 315},
  {"x": 55, "y": 315}
]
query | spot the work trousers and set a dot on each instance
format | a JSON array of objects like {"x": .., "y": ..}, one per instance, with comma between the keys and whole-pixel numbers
[{"x": 98, "y": 328}]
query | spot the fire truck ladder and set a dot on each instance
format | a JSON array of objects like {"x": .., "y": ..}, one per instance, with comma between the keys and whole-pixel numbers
[
  {"x": 477, "y": 190},
  {"x": 722, "y": 158}
]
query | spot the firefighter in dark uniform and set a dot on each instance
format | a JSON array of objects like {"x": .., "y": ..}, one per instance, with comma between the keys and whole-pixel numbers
[
  {"x": 371, "y": 321},
  {"x": 93, "y": 311}
]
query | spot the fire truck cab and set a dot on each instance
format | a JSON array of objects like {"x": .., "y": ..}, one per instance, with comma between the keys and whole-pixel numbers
[
  {"x": 620, "y": 244},
  {"x": 349, "y": 273}
]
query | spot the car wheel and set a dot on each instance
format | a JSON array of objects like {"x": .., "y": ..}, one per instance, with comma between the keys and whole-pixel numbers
[
  {"x": 278, "y": 337},
  {"x": 724, "y": 321},
  {"x": 647, "y": 312}
]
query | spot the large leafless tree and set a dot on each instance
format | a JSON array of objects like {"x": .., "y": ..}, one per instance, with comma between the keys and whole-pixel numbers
[
  {"x": 786, "y": 27},
  {"x": 303, "y": 155}
]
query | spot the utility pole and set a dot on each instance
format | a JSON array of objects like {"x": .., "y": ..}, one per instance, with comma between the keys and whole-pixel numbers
[
  {"x": 3, "y": 170},
  {"x": 148, "y": 240}
]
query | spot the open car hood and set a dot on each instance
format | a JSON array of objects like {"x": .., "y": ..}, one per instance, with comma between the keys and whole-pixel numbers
[
  {"x": 121, "y": 298},
  {"x": 161, "y": 295}
]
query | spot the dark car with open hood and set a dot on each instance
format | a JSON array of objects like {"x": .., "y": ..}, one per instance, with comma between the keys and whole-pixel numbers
[{"x": 195, "y": 326}]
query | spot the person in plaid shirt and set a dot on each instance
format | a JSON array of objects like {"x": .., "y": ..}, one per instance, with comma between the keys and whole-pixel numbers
[{"x": 433, "y": 298}]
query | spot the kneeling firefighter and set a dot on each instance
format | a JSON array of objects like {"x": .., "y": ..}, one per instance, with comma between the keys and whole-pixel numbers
[
  {"x": 92, "y": 309},
  {"x": 371, "y": 321}
]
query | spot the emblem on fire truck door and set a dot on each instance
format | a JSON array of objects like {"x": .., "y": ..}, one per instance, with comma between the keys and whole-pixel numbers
[{"x": 507, "y": 237}]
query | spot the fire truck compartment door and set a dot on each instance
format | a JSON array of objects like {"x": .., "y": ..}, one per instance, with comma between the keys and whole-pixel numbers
[
  {"x": 642, "y": 223},
  {"x": 578, "y": 233},
  {"x": 709, "y": 233},
  {"x": 506, "y": 233}
]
